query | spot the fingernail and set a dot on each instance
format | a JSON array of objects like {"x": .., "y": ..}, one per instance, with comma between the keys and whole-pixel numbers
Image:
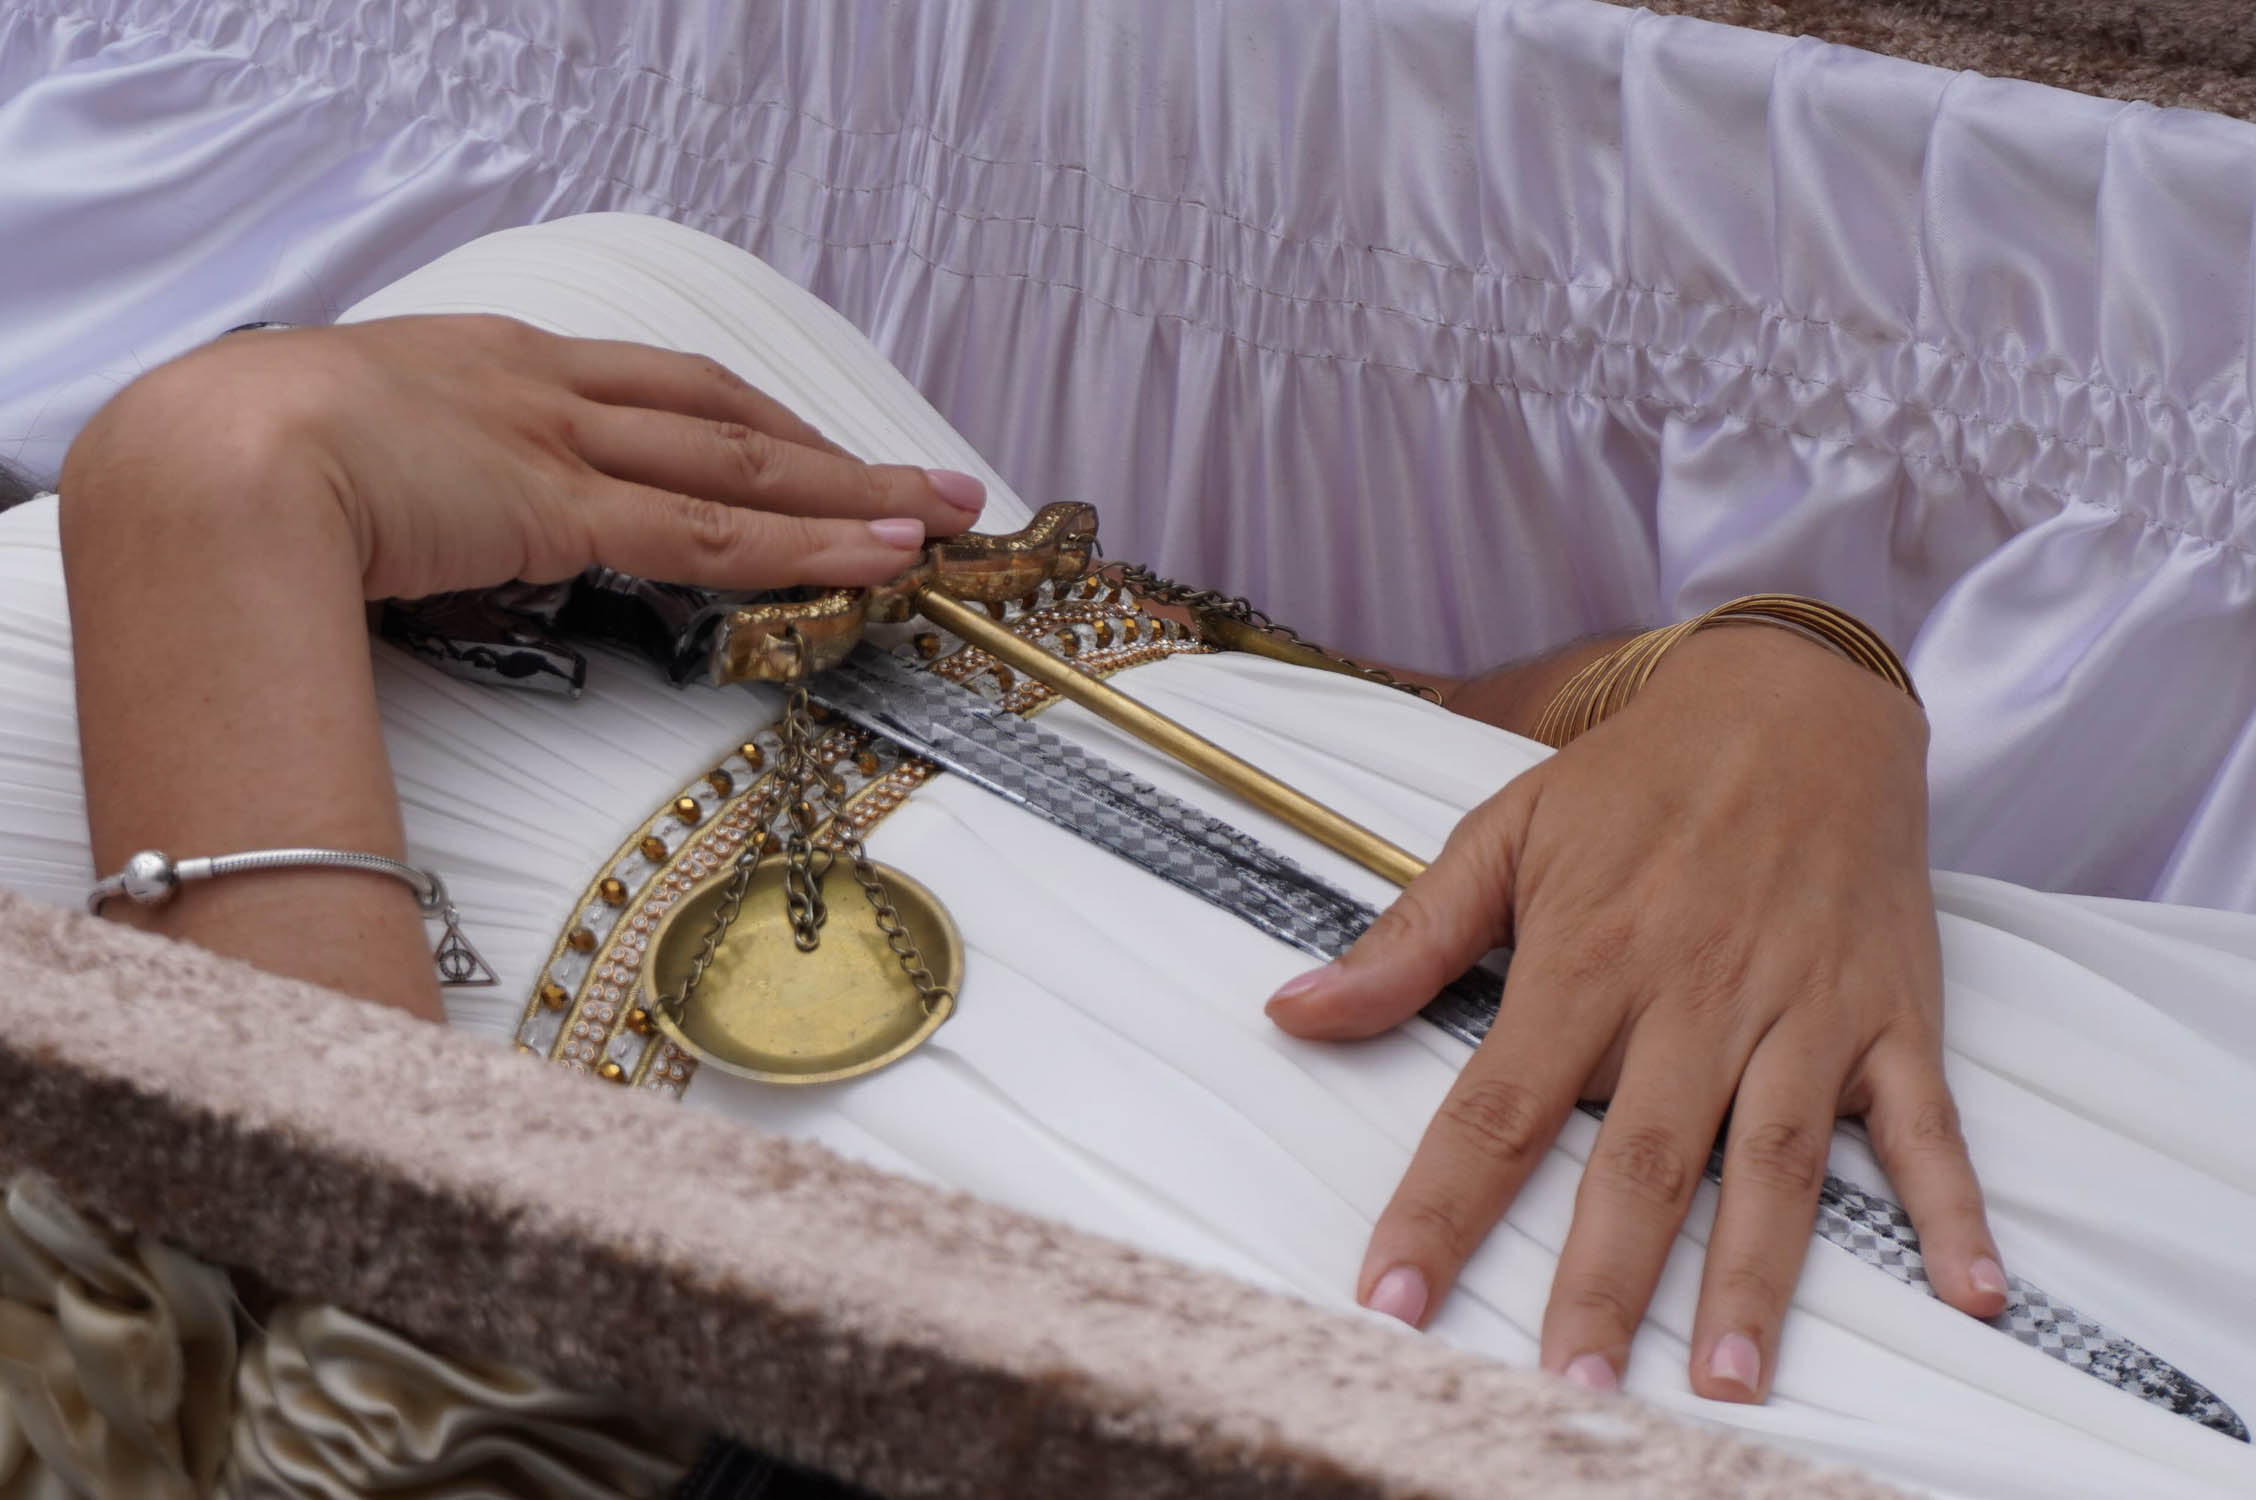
[
  {"x": 898, "y": 531},
  {"x": 1735, "y": 1359},
  {"x": 1987, "y": 1276},
  {"x": 1400, "y": 1293},
  {"x": 1301, "y": 985},
  {"x": 1592, "y": 1373},
  {"x": 960, "y": 490}
]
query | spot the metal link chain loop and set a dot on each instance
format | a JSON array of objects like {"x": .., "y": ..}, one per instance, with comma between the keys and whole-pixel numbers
[
  {"x": 1160, "y": 590},
  {"x": 812, "y": 804}
]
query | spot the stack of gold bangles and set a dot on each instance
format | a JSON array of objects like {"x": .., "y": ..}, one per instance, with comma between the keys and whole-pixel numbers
[{"x": 1604, "y": 688}]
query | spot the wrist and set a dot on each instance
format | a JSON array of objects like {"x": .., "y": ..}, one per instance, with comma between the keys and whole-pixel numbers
[
  {"x": 198, "y": 471},
  {"x": 1514, "y": 696},
  {"x": 1761, "y": 668}
]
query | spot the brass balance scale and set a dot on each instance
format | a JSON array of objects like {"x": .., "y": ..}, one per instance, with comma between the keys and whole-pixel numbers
[{"x": 747, "y": 974}]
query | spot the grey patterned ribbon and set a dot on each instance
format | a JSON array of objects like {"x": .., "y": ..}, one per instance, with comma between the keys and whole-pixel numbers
[{"x": 1103, "y": 804}]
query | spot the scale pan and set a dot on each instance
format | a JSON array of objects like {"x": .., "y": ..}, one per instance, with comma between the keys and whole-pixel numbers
[{"x": 765, "y": 1010}]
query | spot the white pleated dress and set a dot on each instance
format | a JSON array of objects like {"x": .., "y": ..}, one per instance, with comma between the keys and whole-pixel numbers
[{"x": 1110, "y": 1064}]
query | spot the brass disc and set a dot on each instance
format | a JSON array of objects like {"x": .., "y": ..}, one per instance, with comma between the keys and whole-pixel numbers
[{"x": 766, "y": 1010}]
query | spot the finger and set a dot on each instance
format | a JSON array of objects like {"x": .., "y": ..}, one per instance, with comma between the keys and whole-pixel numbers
[
  {"x": 1915, "y": 1133},
  {"x": 1439, "y": 927},
  {"x": 741, "y": 465},
  {"x": 657, "y": 534},
  {"x": 640, "y": 375},
  {"x": 1635, "y": 1189},
  {"x": 1773, "y": 1165},
  {"x": 1493, "y": 1129}
]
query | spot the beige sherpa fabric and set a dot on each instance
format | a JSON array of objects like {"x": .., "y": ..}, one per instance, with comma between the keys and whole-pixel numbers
[
  {"x": 2193, "y": 54},
  {"x": 917, "y": 1342}
]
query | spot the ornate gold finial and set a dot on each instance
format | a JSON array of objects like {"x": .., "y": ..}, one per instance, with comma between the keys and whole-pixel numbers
[{"x": 613, "y": 890}]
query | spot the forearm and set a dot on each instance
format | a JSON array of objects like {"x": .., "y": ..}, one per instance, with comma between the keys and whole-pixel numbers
[
  {"x": 225, "y": 694},
  {"x": 1513, "y": 696}
]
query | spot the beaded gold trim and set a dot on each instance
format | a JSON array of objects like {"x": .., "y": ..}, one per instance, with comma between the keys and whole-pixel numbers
[{"x": 582, "y": 1014}]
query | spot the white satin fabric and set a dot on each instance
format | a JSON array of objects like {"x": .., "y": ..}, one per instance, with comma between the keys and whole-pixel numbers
[
  {"x": 1447, "y": 328},
  {"x": 1110, "y": 1065},
  {"x": 126, "y": 1374}
]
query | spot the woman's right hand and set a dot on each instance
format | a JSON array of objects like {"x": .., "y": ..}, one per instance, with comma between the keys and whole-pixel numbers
[{"x": 469, "y": 451}]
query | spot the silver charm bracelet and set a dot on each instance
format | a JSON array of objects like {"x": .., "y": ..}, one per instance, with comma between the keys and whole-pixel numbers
[{"x": 151, "y": 878}]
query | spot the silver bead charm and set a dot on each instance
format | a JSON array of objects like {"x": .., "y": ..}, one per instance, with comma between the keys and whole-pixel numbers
[{"x": 148, "y": 879}]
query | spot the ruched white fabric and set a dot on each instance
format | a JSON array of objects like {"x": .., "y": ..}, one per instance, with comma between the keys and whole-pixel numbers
[
  {"x": 332, "y": 1407},
  {"x": 116, "y": 1358},
  {"x": 1447, "y": 328},
  {"x": 1110, "y": 1065},
  {"x": 125, "y": 1374}
]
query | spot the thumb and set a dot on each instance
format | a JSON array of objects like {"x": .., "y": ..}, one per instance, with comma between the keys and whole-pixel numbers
[{"x": 1439, "y": 927}]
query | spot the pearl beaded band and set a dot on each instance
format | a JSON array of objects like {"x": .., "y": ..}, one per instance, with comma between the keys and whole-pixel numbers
[
  {"x": 1605, "y": 687},
  {"x": 151, "y": 878}
]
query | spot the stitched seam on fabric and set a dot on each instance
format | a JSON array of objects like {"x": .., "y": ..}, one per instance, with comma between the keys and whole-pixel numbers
[{"x": 2192, "y": 411}]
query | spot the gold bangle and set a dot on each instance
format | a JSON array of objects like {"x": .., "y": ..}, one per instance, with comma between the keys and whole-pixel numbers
[{"x": 1605, "y": 687}]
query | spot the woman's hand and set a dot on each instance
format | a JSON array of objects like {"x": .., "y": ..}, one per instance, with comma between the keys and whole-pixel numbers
[
  {"x": 224, "y": 518},
  {"x": 1719, "y": 905},
  {"x": 468, "y": 451}
]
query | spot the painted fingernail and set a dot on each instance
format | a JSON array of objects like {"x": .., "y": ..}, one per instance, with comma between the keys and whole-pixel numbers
[
  {"x": 1400, "y": 1293},
  {"x": 1302, "y": 985},
  {"x": 1592, "y": 1373},
  {"x": 960, "y": 490},
  {"x": 1987, "y": 1277},
  {"x": 898, "y": 531},
  {"x": 1736, "y": 1359}
]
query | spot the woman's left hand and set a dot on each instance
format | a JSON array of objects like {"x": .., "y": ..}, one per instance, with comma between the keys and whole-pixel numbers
[{"x": 1719, "y": 906}]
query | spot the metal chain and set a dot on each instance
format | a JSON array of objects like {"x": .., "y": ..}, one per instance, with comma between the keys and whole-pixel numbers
[
  {"x": 813, "y": 802},
  {"x": 1167, "y": 591},
  {"x": 930, "y": 991},
  {"x": 724, "y": 917},
  {"x": 809, "y": 792}
]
